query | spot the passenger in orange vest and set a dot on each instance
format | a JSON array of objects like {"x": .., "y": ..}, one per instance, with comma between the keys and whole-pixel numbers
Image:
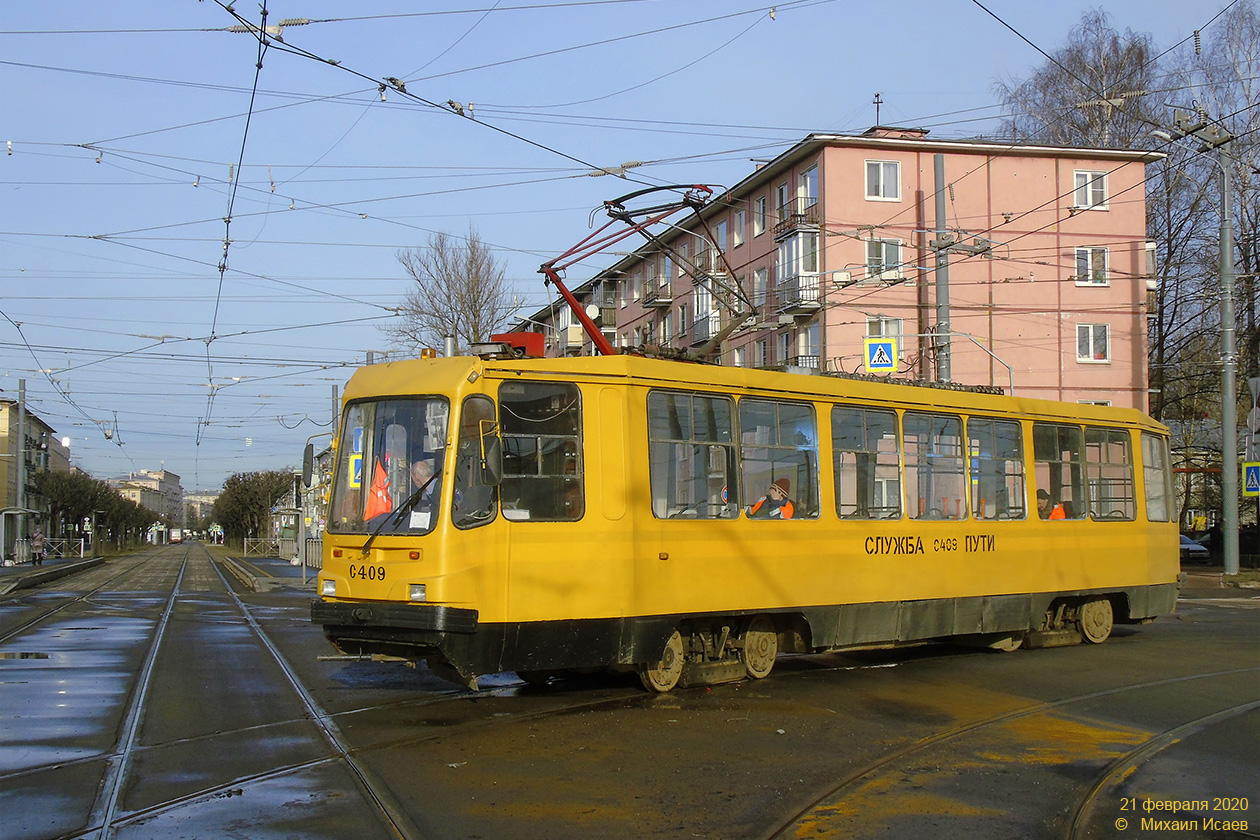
[
  {"x": 776, "y": 504},
  {"x": 1047, "y": 509}
]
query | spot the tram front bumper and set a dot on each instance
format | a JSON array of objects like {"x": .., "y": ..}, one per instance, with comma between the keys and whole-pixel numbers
[{"x": 425, "y": 618}]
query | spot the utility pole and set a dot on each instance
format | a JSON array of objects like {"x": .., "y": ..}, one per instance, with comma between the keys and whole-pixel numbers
[
  {"x": 20, "y": 495},
  {"x": 1216, "y": 137},
  {"x": 941, "y": 245}
]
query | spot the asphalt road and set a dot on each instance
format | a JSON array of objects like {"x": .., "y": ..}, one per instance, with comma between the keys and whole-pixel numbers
[{"x": 158, "y": 697}]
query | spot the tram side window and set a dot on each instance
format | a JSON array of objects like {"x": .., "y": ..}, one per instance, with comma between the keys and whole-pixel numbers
[
  {"x": 1109, "y": 467},
  {"x": 865, "y": 452},
  {"x": 691, "y": 456},
  {"x": 541, "y": 423},
  {"x": 935, "y": 479},
  {"x": 779, "y": 440},
  {"x": 1157, "y": 477},
  {"x": 1058, "y": 455},
  {"x": 996, "y": 452},
  {"x": 473, "y": 499}
]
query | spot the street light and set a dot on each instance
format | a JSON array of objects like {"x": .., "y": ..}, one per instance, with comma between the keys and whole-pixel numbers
[{"x": 1216, "y": 137}]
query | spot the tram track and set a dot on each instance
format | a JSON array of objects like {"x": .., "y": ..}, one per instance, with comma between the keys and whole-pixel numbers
[
  {"x": 833, "y": 795},
  {"x": 43, "y": 613}
]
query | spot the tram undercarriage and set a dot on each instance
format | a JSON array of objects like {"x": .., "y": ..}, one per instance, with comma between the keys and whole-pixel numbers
[{"x": 670, "y": 652}]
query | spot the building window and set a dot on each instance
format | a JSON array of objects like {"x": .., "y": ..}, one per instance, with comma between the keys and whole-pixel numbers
[
  {"x": 877, "y": 326},
  {"x": 781, "y": 202},
  {"x": 737, "y": 234},
  {"x": 1091, "y": 267},
  {"x": 1093, "y": 343},
  {"x": 807, "y": 346},
  {"x": 761, "y": 353},
  {"x": 760, "y": 279},
  {"x": 739, "y": 356},
  {"x": 785, "y": 347},
  {"x": 1091, "y": 189},
  {"x": 719, "y": 233},
  {"x": 883, "y": 180},
  {"x": 808, "y": 188},
  {"x": 759, "y": 215},
  {"x": 883, "y": 259},
  {"x": 667, "y": 333}
]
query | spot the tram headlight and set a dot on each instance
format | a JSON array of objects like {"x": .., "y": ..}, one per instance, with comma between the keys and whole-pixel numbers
[
  {"x": 328, "y": 588},
  {"x": 417, "y": 592}
]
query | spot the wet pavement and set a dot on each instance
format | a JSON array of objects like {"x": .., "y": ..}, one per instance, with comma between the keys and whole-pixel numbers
[{"x": 169, "y": 695}]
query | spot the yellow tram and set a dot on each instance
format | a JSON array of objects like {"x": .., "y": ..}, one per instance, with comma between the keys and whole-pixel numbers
[{"x": 690, "y": 522}]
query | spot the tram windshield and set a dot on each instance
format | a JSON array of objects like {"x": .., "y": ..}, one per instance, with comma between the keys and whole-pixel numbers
[{"x": 389, "y": 467}]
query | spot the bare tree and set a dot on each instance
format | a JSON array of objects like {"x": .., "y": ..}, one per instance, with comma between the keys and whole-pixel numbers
[
  {"x": 459, "y": 291},
  {"x": 1093, "y": 91}
]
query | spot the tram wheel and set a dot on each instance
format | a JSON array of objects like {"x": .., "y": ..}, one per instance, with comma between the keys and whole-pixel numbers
[
  {"x": 662, "y": 676},
  {"x": 1096, "y": 620},
  {"x": 761, "y": 646}
]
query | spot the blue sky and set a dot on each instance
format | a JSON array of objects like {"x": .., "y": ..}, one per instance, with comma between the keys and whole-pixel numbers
[{"x": 127, "y": 140}]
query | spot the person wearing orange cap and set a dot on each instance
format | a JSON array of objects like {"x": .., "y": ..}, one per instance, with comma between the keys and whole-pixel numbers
[{"x": 776, "y": 504}]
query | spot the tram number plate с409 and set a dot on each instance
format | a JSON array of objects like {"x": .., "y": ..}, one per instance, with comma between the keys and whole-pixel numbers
[{"x": 365, "y": 572}]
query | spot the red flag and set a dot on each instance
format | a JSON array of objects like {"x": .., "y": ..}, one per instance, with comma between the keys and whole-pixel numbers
[{"x": 378, "y": 499}]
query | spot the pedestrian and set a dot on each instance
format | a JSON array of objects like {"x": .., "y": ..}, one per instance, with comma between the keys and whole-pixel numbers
[{"x": 37, "y": 548}]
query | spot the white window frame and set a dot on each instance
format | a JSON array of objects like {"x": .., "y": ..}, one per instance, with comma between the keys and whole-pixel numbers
[
  {"x": 879, "y": 326},
  {"x": 1090, "y": 333},
  {"x": 807, "y": 187},
  {"x": 886, "y": 272},
  {"x": 761, "y": 287},
  {"x": 1089, "y": 189},
  {"x": 759, "y": 215},
  {"x": 737, "y": 230},
  {"x": 787, "y": 344},
  {"x": 883, "y": 180},
  {"x": 739, "y": 356},
  {"x": 1090, "y": 278}
]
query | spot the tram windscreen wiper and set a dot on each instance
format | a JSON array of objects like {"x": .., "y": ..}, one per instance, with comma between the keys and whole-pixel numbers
[{"x": 396, "y": 517}]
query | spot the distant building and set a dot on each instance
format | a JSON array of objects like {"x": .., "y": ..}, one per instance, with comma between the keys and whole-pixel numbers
[
  {"x": 158, "y": 490},
  {"x": 831, "y": 243},
  {"x": 199, "y": 505}
]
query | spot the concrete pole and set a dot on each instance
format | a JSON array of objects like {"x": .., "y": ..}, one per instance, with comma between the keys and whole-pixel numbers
[
  {"x": 1229, "y": 363},
  {"x": 20, "y": 495},
  {"x": 943, "y": 373}
]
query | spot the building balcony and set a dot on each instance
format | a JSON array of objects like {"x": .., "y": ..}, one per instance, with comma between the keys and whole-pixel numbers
[
  {"x": 705, "y": 328},
  {"x": 800, "y": 295},
  {"x": 797, "y": 213},
  {"x": 658, "y": 297},
  {"x": 802, "y": 362}
]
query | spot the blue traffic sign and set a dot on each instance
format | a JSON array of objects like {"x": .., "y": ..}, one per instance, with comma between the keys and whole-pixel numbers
[
  {"x": 1251, "y": 479},
  {"x": 881, "y": 355}
]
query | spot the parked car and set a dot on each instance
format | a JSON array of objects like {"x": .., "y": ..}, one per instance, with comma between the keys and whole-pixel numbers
[{"x": 1193, "y": 552}]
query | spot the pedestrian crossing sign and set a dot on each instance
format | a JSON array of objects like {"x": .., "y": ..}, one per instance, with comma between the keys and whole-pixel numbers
[
  {"x": 881, "y": 355},
  {"x": 1251, "y": 479}
]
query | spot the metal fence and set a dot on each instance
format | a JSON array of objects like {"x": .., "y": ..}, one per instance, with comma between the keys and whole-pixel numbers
[
  {"x": 261, "y": 548},
  {"x": 313, "y": 556}
]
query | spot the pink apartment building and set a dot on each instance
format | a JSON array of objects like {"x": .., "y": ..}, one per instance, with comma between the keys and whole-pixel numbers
[{"x": 831, "y": 243}]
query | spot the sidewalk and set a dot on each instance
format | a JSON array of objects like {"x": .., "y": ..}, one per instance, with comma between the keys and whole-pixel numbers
[{"x": 13, "y": 578}]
